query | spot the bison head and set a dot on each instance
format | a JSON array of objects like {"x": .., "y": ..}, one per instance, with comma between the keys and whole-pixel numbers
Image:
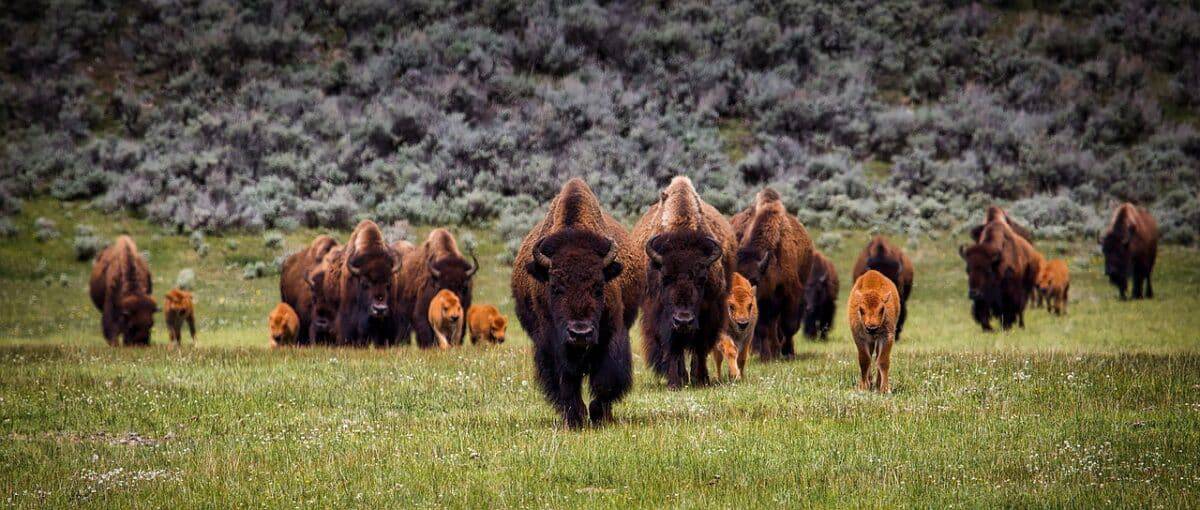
[
  {"x": 453, "y": 273},
  {"x": 984, "y": 271},
  {"x": 1115, "y": 246},
  {"x": 136, "y": 317},
  {"x": 753, "y": 263},
  {"x": 743, "y": 309},
  {"x": 816, "y": 293},
  {"x": 679, "y": 269},
  {"x": 324, "y": 303},
  {"x": 499, "y": 327},
  {"x": 872, "y": 311},
  {"x": 371, "y": 270},
  {"x": 575, "y": 267}
]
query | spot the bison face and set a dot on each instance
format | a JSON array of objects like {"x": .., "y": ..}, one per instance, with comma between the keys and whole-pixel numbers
[
  {"x": 1115, "y": 246},
  {"x": 815, "y": 294},
  {"x": 983, "y": 271},
  {"x": 499, "y": 327},
  {"x": 575, "y": 267},
  {"x": 136, "y": 318},
  {"x": 872, "y": 312},
  {"x": 753, "y": 263},
  {"x": 453, "y": 274},
  {"x": 372, "y": 272},
  {"x": 742, "y": 310},
  {"x": 679, "y": 268},
  {"x": 324, "y": 304}
]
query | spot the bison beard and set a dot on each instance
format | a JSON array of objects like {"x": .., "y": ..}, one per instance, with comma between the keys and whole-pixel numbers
[{"x": 683, "y": 304}]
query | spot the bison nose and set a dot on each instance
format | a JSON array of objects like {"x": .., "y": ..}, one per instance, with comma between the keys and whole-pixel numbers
[
  {"x": 579, "y": 330},
  {"x": 742, "y": 324},
  {"x": 321, "y": 322},
  {"x": 379, "y": 309},
  {"x": 973, "y": 294},
  {"x": 683, "y": 318},
  {"x": 873, "y": 328}
]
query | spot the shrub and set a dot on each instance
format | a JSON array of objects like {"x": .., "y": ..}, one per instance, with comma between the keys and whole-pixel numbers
[
  {"x": 186, "y": 279},
  {"x": 8, "y": 230},
  {"x": 273, "y": 240},
  {"x": 45, "y": 229},
  {"x": 86, "y": 246}
]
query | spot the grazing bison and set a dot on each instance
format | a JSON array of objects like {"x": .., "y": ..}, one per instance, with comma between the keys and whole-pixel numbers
[
  {"x": 742, "y": 315},
  {"x": 283, "y": 325},
  {"x": 121, "y": 289},
  {"x": 446, "y": 319},
  {"x": 365, "y": 314},
  {"x": 1130, "y": 245},
  {"x": 1001, "y": 273},
  {"x": 486, "y": 324},
  {"x": 775, "y": 255},
  {"x": 881, "y": 255},
  {"x": 689, "y": 247},
  {"x": 995, "y": 213},
  {"x": 296, "y": 290},
  {"x": 820, "y": 297},
  {"x": 179, "y": 309},
  {"x": 1054, "y": 283},
  {"x": 873, "y": 310},
  {"x": 433, "y": 266},
  {"x": 576, "y": 283}
]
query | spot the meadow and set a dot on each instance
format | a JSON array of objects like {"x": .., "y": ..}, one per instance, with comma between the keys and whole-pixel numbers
[{"x": 1098, "y": 408}]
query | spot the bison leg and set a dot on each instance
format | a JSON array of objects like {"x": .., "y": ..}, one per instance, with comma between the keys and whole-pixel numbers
[
  {"x": 1137, "y": 284},
  {"x": 885, "y": 364},
  {"x": 718, "y": 360},
  {"x": 1149, "y": 286},
  {"x": 191, "y": 322},
  {"x": 571, "y": 400},
  {"x": 982, "y": 314},
  {"x": 676, "y": 368},
  {"x": 610, "y": 380},
  {"x": 699, "y": 369},
  {"x": 864, "y": 367},
  {"x": 901, "y": 318}
]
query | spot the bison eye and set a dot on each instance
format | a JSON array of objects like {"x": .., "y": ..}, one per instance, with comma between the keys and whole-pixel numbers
[{"x": 598, "y": 291}]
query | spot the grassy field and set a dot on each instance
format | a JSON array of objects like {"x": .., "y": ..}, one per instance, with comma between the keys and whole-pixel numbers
[{"x": 1099, "y": 408}]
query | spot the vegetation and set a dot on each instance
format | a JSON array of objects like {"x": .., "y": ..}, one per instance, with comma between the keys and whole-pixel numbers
[{"x": 1097, "y": 408}]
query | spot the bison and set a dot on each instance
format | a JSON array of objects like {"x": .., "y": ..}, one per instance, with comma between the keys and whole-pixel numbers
[
  {"x": 323, "y": 280},
  {"x": 820, "y": 297},
  {"x": 576, "y": 283},
  {"x": 1001, "y": 273},
  {"x": 433, "y": 266},
  {"x": 689, "y": 247},
  {"x": 775, "y": 255},
  {"x": 179, "y": 309},
  {"x": 366, "y": 300},
  {"x": 995, "y": 213},
  {"x": 873, "y": 311},
  {"x": 296, "y": 289},
  {"x": 881, "y": 255},
  {"x": 284, "y": 325},
  {"x": 1130, "y": 246},
  {"x": 486, "y": 324},
  {"x": 446, "y": 319},
  {"x": 742, "y": 315},
  {"x": 1054, "y": 283},
  {"x": 121, "y": 288}
]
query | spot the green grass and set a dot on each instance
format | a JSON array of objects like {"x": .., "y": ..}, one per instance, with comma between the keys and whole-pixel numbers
[{"x": 1095, "y": 409}]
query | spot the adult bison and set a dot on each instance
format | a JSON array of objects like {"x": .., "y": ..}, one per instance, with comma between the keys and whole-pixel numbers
[
  {"x": 820, "y": 297},
  {"x": 295, "y": 289},
  {"x": 995, "y": 213},
  {"x": 433, "y": 266},
  {"x": 689, "y": 247},
  {"x": 324, "y": 282},
  {"x": 775, "y": 255},
  {"x": 1130, "y": 246},
  {"x": 883, "y": 256},
  {"x": 121, "y": 289},
  {"x": 576, "y": 283},
  {"x": 1001, "y": 273},
  {"x": 366, "y": 304}
]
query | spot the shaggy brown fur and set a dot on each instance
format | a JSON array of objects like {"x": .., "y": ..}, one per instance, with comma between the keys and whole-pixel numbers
[
  {"x": 775, "y": 254},
  {"x": 1130, "y": 246},
  {"x": 576, "y": 283},
  {"x": 295, "y": 290},
  {"x": 1054, "y": 282},
  {"x": 446, "y": 319},
  {"x": 121, "y": 288},
  {"x": 1002, "y": 271},
  {"x": 283, "y": 325},
  {"x": 873, "y": 311},
  {"x": 742, "y": 315},
  {"x": 366, "y": 314},
  {"x": 179, "y": 309},
  {"x": 689, "y": 249},
  {"x": 883, "y": 256},
  {"x": 325, "y": 281},
  {"x": 995, "y": 213},
  {"x": 486, "y": 324},
  {"x": 433, "y": 266}
]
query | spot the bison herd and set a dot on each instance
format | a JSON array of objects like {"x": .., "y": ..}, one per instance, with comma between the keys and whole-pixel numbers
[{"x": 704, "y": 285}]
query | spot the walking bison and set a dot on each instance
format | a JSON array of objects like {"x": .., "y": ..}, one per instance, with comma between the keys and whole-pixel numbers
[
  {"x": 433, "y": 266},
  {"x": 121, "y": 288},
  {"x": 1001, "y": 273},
  {"x": 1130, "y": 246},
  {"x": 179, "y": 309},
  {"x": 873, "y": 313},
  {"x": 820, "y": 297},
  {"x": 366, "y": 306},
  {"x": 881, "y": 255}
]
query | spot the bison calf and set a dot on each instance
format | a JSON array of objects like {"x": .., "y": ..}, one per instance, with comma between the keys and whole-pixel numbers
[
  {"x": 179, "y": 310},
  {"x": 885, "y": 257},
  {"x": 486, "y": 324},
  {"x": 734, "y": 345},
  {"x": 1054, "y": 282},
  {"x": 284, "y": 325},
  {"x": 446, "y": 318},
  {"x": 820, "y": 298},
  {"x": 874, "y": 308}
]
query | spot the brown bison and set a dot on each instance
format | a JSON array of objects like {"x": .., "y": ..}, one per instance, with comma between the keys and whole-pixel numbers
[
  {"x": 433, "y": 266},
  {"x": 121, "y": 289},
  {"x": 881, "y": 255},
  {"x": 742, "y": 315},
  {"x": 820, "y": 297},
  {"x": 324, "y": 280},
  {"x": 1001, "y": 273},
  {"x": 775, "y": 255},
  {"x": 995, "y": 213},
  {"x": 689, "y": 247},
  {"x": 486, "y": 324},
  {"x": 179, "y": 309},
  {"x": 873, "y": 311},
  {"x": 366, "y": 304},
  {"x": 296, "y": 289},
  {"x": 576, "y": 283},
  {"x": 283, "y": 325},
  {"x": 1054, "y": 283},
  {"x": 446, "y": 319},
  {"x": 1130, "y": 246}
]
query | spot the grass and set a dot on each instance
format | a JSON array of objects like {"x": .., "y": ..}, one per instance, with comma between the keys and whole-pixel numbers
[{"x": 1095, "y": 409}]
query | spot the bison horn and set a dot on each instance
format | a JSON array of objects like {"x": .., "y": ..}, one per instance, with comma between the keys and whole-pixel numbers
[
  {"x": 715, "y": 249},
  {"x": 652, "y": 252},
  {"x": 762, "y": 263},
  {"x": 540, "y": 256},
  {"x": 611, "y": 256},
  {"x": 474, "y": 265},
  {"x": 433, "y": 270},
  {"x": 355, "y": 265}
]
